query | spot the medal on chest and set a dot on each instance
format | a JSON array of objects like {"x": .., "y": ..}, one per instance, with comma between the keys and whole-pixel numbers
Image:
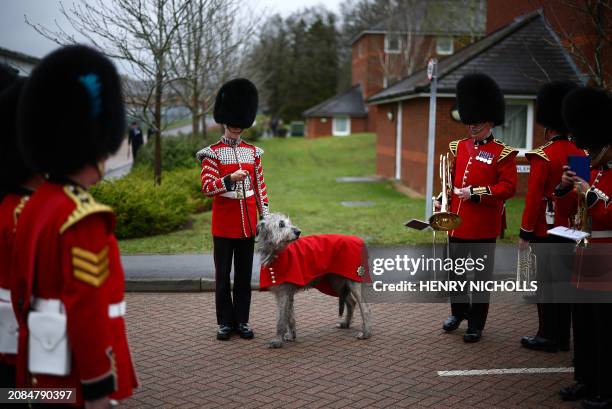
[{"x": 485, "y": 157}]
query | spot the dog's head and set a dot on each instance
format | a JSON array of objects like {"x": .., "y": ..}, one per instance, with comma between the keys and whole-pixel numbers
[{"x": 274, "y": 232}]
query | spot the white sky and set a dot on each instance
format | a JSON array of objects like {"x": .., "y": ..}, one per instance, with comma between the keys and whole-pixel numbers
[{"x": 16, "y": 35}]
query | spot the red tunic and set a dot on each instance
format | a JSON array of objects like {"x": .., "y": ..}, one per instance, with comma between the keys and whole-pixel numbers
[
  {"x": 65, "y": 249},
  {"x": 7, "y": 225},
  {"x": 489, "y": 168},
  {"x": 312, "y": 257},
  {"x": 231, "y": 216},
  {"x": 545, "y": 173},
  {"x": 593, "y": 263}
]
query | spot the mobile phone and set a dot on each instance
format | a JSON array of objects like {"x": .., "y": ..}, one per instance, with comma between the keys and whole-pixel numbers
[{"x": 581, "y": 165}]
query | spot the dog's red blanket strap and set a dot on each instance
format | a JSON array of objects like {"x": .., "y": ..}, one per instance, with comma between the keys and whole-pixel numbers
[{"x": 312, "y": 257}]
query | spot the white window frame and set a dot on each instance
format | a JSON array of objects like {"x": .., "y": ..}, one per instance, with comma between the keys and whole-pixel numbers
[
  {"x": 529, "y": 124},
  {"x": 399, "y": 43},
  {"x": 335, "y": 132},
  {"x": 445, "y": 51}
]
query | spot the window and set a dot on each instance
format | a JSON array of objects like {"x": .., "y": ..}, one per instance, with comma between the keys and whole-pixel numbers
[
  {"x": 341, "y": 126},
  {"x": 517, "y": 131},
  {"x": 445, "y": 46},
  {"x": 393, "y": 43}
]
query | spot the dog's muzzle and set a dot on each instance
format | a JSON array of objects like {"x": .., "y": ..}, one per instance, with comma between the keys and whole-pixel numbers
[{"x": 297, "y": 232}]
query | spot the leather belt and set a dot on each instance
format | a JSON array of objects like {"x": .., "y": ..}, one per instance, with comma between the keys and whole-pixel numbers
[
  {"x": 601, "y": 234},
  {"x": 53, "y": 305},
  {"x": 5, "y": 295},
  {"x": 235, "y": 194}
]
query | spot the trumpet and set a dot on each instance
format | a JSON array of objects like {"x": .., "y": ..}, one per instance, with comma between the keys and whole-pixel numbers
[
  {"x": 526, "y": 266},
  {"x": 444, "y": 220}
]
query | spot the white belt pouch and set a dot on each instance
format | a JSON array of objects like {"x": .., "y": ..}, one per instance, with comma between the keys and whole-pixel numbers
[
  {"x": 49, "y": 350},
  {"x": 8, "y": 328}
]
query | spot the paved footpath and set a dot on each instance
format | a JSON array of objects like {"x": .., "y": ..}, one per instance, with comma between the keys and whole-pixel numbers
[{"x": 180, "y": 364}]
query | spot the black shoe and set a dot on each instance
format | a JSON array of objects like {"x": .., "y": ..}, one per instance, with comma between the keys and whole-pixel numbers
[
  {"x": 574, "y": 392},
  {"x": 224, "y": 332},
  {"x": 539, "y": 344},
  {"x": 451, "y": 323},
  {"x": 244, "y": 331},
  {"x": 597, "y": 403},
  {"x": 472, "y": 335}
]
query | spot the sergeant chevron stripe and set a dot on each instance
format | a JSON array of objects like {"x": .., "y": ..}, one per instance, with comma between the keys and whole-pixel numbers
[{"x": 90, "y": 267}]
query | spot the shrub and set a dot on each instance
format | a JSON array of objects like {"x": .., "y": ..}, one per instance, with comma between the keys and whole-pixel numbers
[
  {"x": 177, "y": 151},
  {"x": 144, "y": 209}
]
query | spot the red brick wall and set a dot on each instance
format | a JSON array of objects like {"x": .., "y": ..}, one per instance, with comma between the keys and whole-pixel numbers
[
  {"x": 365, "y": 64},
  {"x": 359, "y": 125},
  {"x": 415, "y": 117},
  {"x": 316, "y": 129},
  {"x": 385, "y": 140}
]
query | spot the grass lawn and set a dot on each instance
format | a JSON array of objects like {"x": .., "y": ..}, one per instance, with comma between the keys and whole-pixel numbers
[{"x": 301, "y": 177}]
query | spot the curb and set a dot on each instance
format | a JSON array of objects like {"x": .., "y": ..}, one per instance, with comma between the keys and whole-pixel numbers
[{"x": 172, "y": 285}]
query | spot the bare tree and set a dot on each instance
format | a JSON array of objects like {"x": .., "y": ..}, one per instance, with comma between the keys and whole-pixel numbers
[
  {"x": 139, "y": 33},
  {"x": 206, "y": 51},
  {"x": 589, "y": 40}
]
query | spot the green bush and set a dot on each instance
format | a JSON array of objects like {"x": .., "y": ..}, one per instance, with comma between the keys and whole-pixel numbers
[
  {"x": 144, "y": 209},
  {"x": 177, "y": 151}
]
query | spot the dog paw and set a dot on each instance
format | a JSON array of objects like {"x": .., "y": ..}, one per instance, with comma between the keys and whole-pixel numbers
[
  {"x": 363, "y": 335},
  {"x": 289, "y": 337},
  {"x": 343, "y": 325},
  {"x": 275, "y": 343}
]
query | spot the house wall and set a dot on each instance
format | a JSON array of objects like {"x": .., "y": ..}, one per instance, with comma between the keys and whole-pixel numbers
[
  {"x": 415, "y": 123},
  {"x": 315, "y": 128}
]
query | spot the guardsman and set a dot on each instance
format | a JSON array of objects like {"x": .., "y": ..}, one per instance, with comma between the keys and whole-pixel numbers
[
  {"x": 233, "y": 175},
  {"x": 68, "y": 283},
  {"x": 13, "y": 174},
  {"x": 484, "y": 176},
  {"x": 554, "y": 258},
  {"x": 587, "y": 113}
]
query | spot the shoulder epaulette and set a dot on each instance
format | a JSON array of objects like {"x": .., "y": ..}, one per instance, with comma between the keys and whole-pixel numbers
[
  {"x": 206, "y": 153},
  {"x": 258, "y": 152},
  {"x": 540, "y": 151},
  {"x": 19, "y": 209},
  {"x": 453, "y": 145},
  {"x": 85, "y": 206},
  {"x": 508, "y": 150}
]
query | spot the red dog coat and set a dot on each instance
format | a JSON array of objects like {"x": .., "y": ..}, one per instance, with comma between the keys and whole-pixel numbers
[{"x": 313, "y": 257}]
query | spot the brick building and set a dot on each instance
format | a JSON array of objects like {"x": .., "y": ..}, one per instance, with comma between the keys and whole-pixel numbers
[
  {"x": 520, "y": 56},
  {"x": 388, "y": 51}
]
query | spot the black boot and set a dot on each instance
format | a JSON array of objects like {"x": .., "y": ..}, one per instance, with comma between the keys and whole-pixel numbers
[
  {"x": 224, "y": 332},
  {"x": 574, "y": 392},
  {"x": 451, "y": 323},
  {"x": 245, "y": 331},
  {"x": 539, "y": 344},
  {"x": 472, "y": 335},
  {"x": 597, "y": 403}
]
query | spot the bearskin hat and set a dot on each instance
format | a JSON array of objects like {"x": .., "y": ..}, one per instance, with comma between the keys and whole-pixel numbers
[
  {"x": 587, "y": 112},
  {"x": 13, "y": 170},
  {"x": 549, "y": 102},
  {"x": 479, "y": 99},
  {"x": 7, "y": 76},
  {"x": 71, "y": 111},
  {"x": 236, "y": 104}
]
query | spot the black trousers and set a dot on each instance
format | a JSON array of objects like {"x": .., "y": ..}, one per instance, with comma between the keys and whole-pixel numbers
[
  {"x": 7, "y": 376},
  {"x": 475, "y": 309},
  {"x": 555, "y": 262},
  {"x": 593, "y": 347},
  {"x": 233, "y": 311},
  {"x": 135, "y": 149}
]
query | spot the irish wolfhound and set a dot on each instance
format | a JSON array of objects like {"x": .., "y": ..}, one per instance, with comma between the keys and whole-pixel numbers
[{"x": 325, "y": 262}]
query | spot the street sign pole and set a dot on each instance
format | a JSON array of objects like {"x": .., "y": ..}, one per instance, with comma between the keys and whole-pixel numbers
[{"x": 432, "y": 74}]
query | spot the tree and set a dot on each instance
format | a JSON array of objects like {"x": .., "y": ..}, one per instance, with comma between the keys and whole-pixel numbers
[
  {"x": 138, "y": 33},
  {"x": 206, "y": 51}
]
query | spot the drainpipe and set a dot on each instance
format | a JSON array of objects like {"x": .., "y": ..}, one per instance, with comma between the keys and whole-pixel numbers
[{"x": 398, "y": 142}]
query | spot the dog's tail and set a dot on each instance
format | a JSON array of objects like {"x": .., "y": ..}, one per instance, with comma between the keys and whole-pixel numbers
[{"x": 342, "y": 300}]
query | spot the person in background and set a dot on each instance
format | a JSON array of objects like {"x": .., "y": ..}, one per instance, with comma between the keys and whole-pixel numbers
[
  {"x": 484, "y": 177},
  {"x": 135, "y": 139},
  {"x": 587, "y": 113},
  {"x": 554, "y": 255},
  {"x": 67, "y": 283},
  {"x": 233, "y": 175}
]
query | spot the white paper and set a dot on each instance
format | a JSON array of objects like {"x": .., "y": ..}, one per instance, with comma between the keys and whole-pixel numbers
[{"x": 572, "y": 234}]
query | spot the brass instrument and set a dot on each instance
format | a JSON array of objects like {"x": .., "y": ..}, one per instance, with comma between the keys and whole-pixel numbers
[
  {"x": 444, "y": 220},
  {"x": 581, "y": 218},
  {"x": 526, "y": 267}
]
